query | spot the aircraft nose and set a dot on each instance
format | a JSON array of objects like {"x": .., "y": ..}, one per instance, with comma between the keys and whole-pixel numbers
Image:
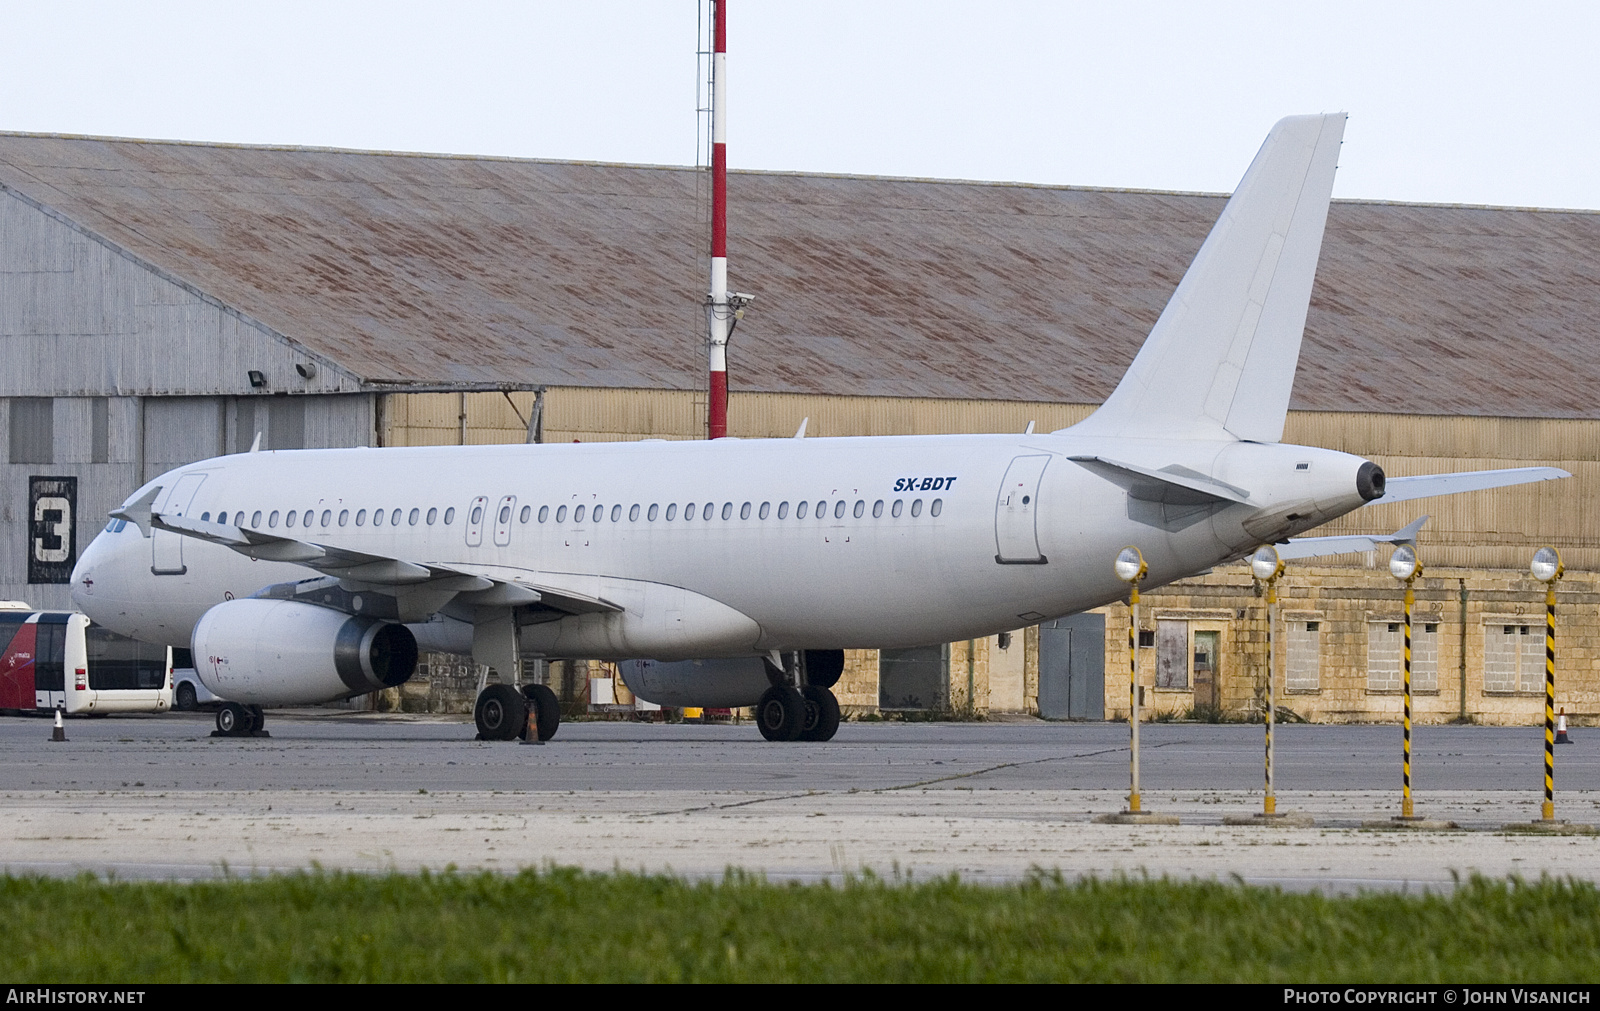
[
  {"x": 94, "y": 577},
  {"x": 1370, "y": 481}
]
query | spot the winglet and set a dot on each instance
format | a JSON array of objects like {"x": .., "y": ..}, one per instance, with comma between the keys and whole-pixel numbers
[
  {"x": 800, "y": 433},
  {"x": 255, "y": 447},
  {"x": 137, "y": 512}
]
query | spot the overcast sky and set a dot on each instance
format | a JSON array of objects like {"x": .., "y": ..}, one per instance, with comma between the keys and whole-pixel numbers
[{"x": 1452, "y": 102}]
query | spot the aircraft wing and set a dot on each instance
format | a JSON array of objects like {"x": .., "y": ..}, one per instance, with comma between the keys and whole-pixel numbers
[
  {"x": 1316, "y": 547},
  {"x": 1404, "y": 489},
  {"x": 417, "y": 588}
]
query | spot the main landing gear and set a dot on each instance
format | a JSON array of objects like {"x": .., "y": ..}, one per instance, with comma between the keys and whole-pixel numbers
[
  {"x": 236, "y": 720},
  {"x": 504, "y": 713},
  {"x": 799, "y": 706}
]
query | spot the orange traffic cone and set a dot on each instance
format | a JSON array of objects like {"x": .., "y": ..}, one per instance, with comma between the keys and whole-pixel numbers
[
  {"x": 60, "y": 731},
  {"x": 1561, "y": 728}
]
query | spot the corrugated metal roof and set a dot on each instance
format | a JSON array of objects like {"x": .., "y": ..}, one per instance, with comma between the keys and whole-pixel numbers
[{"x": 424, "y": 269}]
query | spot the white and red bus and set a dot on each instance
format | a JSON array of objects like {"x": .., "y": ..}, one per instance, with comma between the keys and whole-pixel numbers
[{"x": 60, "y": 660}]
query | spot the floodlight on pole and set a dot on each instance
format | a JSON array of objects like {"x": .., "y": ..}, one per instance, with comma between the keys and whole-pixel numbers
[
  {"x": 1547, "y": 569},
  {"x": 1266, "y": 565},
  {"x": 1130, "y": 567},
  {"x": 1406, "y": 565}
]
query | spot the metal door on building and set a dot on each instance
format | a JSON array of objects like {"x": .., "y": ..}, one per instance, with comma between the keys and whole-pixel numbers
[
  {"x": 166, "y": 548},
  {"x": 913, "y": 678},
  {"x": 1016, "y": 533},
  {"x": 1072, "y": 668}
]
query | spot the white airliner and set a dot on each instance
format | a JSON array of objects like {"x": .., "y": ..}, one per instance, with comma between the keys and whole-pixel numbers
[{"x": 773, "y": 554}]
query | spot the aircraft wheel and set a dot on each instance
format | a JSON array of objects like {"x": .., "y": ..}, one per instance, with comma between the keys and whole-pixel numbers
[
  {"x": 822, "y": 714},
  {"x": 544, "y": 711},
  {"x": 781, "y": 714},
  {"x": 501, "y": 712},
  {"x": 258, "y": 719},
  {"x": 186, "y": 699},
  {"x": 233, "y": 720}
]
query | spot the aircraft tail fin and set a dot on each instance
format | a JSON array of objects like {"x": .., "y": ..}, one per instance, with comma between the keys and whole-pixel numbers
[{"x": 1220, "y": 361}]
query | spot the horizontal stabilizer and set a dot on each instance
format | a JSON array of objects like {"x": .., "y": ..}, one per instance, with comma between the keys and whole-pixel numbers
[
  {"x": 1404, "y": 489},
  {"x": 1172, "y": 485},
  {"x": 1318, "y": 547}
]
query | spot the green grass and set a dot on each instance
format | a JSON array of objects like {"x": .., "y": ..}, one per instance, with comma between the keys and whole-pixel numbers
[{"x": 568, "y": 925}]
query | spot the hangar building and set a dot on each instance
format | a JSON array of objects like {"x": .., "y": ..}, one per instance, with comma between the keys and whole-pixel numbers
[{"x": 165, "y": 302}]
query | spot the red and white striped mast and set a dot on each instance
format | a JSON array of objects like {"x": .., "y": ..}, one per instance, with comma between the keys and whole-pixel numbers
[{"x": 719, "y": 313}]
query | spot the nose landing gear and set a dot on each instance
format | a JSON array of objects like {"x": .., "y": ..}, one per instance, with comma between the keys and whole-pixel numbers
[{"x": 236, "y": 720}]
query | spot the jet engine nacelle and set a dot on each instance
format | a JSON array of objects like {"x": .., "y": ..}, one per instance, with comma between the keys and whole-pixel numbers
[
  {"x": 719, "y": 684},
  {"x": 284, "y": 653}
]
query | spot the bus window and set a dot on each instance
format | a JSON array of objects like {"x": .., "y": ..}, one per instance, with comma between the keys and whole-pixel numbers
[{"x": 117, "y": 663}]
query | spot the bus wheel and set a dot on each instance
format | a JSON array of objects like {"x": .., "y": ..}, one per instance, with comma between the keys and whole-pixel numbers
[
  {"x": 187, "y": 700},
  {"x": 233, "y": 720}
]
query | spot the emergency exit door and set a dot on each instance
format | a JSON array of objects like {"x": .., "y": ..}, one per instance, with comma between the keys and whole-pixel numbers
[
  {"x": 1016, "y": 533},
  {"x": 166, "y": 547}
]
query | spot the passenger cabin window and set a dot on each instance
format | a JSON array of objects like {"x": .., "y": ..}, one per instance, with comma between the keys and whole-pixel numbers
[
  {"x": 414, "y": 516},
  {"x": 651, "y": 514},
  {"x": 577, "y": 514},
  {"x": 327, "y": 517},
  {"x": 838, "y": 510},
  {"x": 744, "y": 511},
  {"x": 896, "y": 509},
  {"x": 505, "y": 515},
  {"x": 800, "y": 510},
  {"x": 433, "y": 514},
  {"x": 860, "y": 509},
  {"x": 822, "y": 510},
  {"x": 544, "y": 513},
  {"x": 937, "y": 507},
  {"x": 394, "y": 518},
  {"x": 916, "y": 507},
  {"x": 616, "y": 513},
  {"x": 783, "y": 510},
  {"x": 633, "y": 513},
  {"x": 361, "y": 517},
  {"x": 344, "y": 517},
  {"x": 672, "y": 510},
  {"x": 766, "y": 507},
  {"x": 705, "y": 512},
  {"x": 877, "y": 509},
  {"x": 255, "y": 519},
  {"x": 527, "y": 512},
  {"x": 289, "y": 518},
  {"x": 377, "y": 517},
  {"x": 688, "y": 512},
  {"x": 561, "y": 514}
]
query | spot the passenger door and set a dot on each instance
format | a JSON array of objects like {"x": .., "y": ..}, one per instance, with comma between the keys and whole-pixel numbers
[{"x": 1015, "y": 531}]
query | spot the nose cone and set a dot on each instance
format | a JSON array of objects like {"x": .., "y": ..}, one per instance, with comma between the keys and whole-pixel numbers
[
  {"x": 1370, "y": 481},
  {"x": 94, "y": 579}
]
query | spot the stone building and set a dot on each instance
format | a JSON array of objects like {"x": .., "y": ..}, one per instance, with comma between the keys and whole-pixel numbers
[{"x": 164, "y": 302}]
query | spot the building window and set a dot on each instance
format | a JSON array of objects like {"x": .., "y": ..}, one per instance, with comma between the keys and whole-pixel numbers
[
  {"x": 1513, "y": 657},
  {"x": 1386, "y": 656},
  {"x": 1172, "y": 655},
  {"x": 1303, "y": 656},
  {"x": 33, "y": 430}
]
